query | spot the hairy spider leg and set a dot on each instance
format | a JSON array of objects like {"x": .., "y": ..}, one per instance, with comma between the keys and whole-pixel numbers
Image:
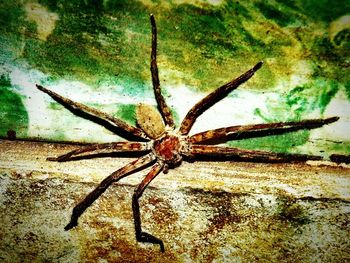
[
  {"x": 163, "y": 107},
  {"x": 249, "y": 155},
  {"x": 259, "y": 130},
  {"x": 140, "y": 235},
  {"x": 73, "y": 106},
  {"x": 98, "y": 147},
  {"x": 213, "y": 98},
  {"x": 101, "y": 188}
]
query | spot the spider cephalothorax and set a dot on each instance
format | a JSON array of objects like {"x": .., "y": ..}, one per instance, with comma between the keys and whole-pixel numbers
[
  {"x": 165, "y": 146},
  {"x": 166, "y": 143}
]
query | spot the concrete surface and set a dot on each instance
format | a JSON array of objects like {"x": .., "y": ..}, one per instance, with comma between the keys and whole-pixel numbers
[{"x": 203, "y": 211}]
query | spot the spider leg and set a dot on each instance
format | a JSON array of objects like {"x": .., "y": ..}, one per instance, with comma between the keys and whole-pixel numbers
[
  {"x": 114, "y": 177},
  {"x": 258, "y": 130},
  {"x": 140, "y": 235},
  {"x": 98, "y": 147},
  {"x": 163, "y": 107},
  {"x": 81, "y": 108},
  {"x": 213, "y": 98},
  {"x": 248, "y": 155}
]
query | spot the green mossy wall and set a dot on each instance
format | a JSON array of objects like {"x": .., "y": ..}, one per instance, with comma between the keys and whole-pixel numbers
[{"x": 101, "y": 49}]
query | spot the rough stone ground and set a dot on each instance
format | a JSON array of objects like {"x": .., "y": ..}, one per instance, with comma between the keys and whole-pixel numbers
[{"x": 203, "y": 211}]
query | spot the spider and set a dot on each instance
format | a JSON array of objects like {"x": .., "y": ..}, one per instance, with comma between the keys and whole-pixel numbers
[{"x": 165, "y": 147}]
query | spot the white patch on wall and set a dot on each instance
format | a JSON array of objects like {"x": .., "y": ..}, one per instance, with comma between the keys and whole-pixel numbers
[
  {"x": 44, "y": 19},
  {"x": 106, "y": 94},
  {"x": 45, "y": 122},
  {"x": 340, "y": 130},
  {"x": 39, "y": 121},
  {"x": 236, "y": 109},
  {"x": 302, "y": 71}
]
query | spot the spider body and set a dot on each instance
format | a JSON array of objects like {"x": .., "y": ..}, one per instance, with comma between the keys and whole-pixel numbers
[
  {"x": 166, "y": 143},
  {"x": 164, "y": 146},
  {"x": 168, "y": 149}
]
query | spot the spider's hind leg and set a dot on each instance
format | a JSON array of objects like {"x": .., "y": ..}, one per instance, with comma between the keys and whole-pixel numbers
[{"x": 140, "y": 235}]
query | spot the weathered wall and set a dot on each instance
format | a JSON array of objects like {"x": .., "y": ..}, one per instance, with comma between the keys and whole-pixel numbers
[{"x": 203, "y": 211}]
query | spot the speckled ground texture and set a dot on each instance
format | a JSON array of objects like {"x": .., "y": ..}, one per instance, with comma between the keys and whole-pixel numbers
[{"x": 203, "y": 211}]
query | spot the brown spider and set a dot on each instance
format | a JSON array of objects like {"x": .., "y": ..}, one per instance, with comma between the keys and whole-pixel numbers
[{"x": 164, "y": 146}]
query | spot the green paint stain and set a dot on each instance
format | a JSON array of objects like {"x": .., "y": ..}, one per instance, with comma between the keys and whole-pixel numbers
[
  {"x": 11, "y": 17},
  {"x": 274, "y": 143},
  {"x": 301, "y": 100},
  {"x": 126, "y": 112},
  {"x": 55, "y": 106},
  {"x": 324, "y": 10},
  {"x": 339, "y": 148},
  {"x": 58, "y": 136},
  {"x": 133, "y": 87},
  {"x": 331, "y": 58},
  {"x": 273, "y": 13},
  {"x": 314, "y": 95},
  {"x": 291, "y": 211},
  {"x": 66, "y": 58},
  {"x": 347, "y": 89},
  {"x": 13, "y": 114},
  {"x": 87, "y": 45},
  {"x": 288, "y": 3},
  {"x": 13, "y": 28},
  {"x": 207, "y": 44}
]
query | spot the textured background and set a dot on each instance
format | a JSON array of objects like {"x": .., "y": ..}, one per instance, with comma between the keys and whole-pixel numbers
[
  {"x": 203, "y": 211},
  {"x": 98, "y": 53}
]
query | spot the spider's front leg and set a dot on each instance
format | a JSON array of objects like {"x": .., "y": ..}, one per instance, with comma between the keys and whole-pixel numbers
[
  {"x": 140, "y": 235},
  {"x": 163, "y": 107},
  {"x": 97, "y": 116},
  {"x": 214, "y": 97}
]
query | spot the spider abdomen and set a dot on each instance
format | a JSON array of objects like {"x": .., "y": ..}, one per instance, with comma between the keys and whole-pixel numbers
[{"x": 150, "y": 120}]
